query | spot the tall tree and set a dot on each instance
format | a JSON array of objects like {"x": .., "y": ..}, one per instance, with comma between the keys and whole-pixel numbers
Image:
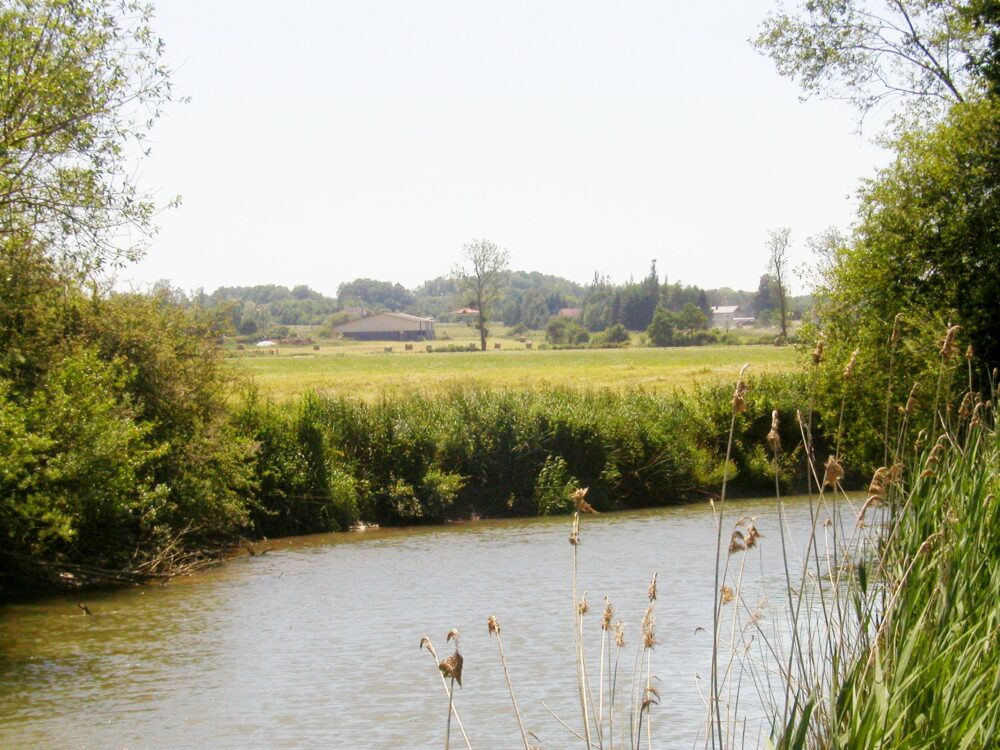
[
  {"x": 479, "y": 275},
  {"x": 869, "y": 51},
  {"x": 777, "y": 266},
  {"x": 83, "y": 81}
]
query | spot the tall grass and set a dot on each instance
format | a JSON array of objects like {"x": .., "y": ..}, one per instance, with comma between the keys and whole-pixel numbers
[{"x": 890, "y": 619}]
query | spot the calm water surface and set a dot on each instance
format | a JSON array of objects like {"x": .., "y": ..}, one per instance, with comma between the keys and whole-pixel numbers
[{"x": 315, "y": 645}]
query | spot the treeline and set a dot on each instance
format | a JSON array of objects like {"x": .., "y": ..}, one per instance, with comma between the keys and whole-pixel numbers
[{"x": 529, "y": 300}]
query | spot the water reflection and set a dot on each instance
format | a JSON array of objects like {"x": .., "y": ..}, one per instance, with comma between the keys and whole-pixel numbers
[{"x": 316, "y": 643}]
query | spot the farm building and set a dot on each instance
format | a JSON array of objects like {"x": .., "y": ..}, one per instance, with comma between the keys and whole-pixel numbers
[
  {"x": 722, "y": 315},
  {"x": 388, "y": 326}
]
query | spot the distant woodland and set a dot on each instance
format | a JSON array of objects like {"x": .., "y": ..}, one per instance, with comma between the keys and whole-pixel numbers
[{"x": 527, "y": 299}]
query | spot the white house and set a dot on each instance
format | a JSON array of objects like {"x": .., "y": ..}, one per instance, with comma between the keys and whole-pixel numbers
[{"x": 388, "y": 326}]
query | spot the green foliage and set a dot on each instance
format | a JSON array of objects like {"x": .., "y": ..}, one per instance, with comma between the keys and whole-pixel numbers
[
  {"x": 661, "y": 329},
  {"x": 933, "y": 679},
  {"x": 375, "y": 295},
  {"x": 82, "y": 80},
  {"x": 925, "y": 250},
  {"x": 562, "y": 330},
  {"x": 554, "y": 488},
  {"x": 504, "y": 452},
  {"x": 75, "y": 483},
  {"x": 927, "y": 50}
]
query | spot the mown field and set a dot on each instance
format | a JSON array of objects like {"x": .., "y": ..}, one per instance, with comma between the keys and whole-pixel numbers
[{"x": 366, "y": 371}]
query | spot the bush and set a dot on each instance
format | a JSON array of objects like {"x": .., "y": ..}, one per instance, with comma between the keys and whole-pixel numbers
[{"x": 566, "y": 331}]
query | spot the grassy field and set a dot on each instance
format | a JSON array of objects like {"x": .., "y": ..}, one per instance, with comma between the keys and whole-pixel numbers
[{"x": 366, "y": 371}]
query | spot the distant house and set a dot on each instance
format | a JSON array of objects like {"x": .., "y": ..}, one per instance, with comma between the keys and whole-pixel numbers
[
  {"x": 722, "y": 315},
  {"x": 570, "y": 312},
  {"x": 388, "y": 326}
]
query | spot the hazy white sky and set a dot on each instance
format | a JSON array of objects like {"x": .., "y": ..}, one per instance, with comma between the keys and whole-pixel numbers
[{"x": 326, "y": 141}]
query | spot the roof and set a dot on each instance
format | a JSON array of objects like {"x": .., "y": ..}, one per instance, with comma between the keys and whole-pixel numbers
[
  {"x": 725, "y": 309},
  {"x": 570, "y": 312},
  {"x": 353, "y": 325},
  {"x": 465, "y": 311}
]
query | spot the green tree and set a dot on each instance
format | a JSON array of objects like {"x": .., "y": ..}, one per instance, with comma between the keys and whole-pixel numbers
[
  {"x": 566, "y": 331},
  {"x": 83, "y": 81},
  {"x": 928, "y": 51},
  {"x": 778, "y": 241},
  {"x": 661, "y": 329},
  {"x": 479, "y": 275},
  {"x": 691, "y": 318},
  {"x": 928, "y": 240}
]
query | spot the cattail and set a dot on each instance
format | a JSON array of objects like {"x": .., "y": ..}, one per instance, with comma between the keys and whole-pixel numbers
[
  {"x": 895, "y": 328},
  {"x": 651, "y": 589},
  {"x": 619, "y": 634},
  {"x": 609, "y": 612},
  {"x": 739, "y": 395},
  {"x": 966, "y": 407},
  {"x": 969, "y": 353},
  {"x": 849, "y": 370},
  {"x": 773, "y": 438},
  {"x": 752, "y": 534},
  {"x": 911, "y": 402},
  {"x": 652, "y": 698},
  {"x": 737, "y": 543},
  {"x": 584, "y": 606},
  {"x": 948, "y": 348},
  {"x": 648, "y": 633},
  {"x": 493, "y": 625},
  {"x": 582, "y": 506},
  {"x": 833, "y": 471},
  {"x": 451, "y": 666},
  {"x": 574, "y": 534},
  {"x": 726, "y": 594},
  {"x": 817, "y": 354}
]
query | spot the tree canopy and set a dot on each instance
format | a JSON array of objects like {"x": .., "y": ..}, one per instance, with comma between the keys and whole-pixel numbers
[{"x": 83, "y": 82}]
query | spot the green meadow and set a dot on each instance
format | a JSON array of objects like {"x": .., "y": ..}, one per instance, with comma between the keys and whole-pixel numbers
[{"x": 367, "y": 371}]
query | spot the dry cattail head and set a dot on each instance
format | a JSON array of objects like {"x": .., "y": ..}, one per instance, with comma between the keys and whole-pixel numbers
[
  {"x": 969, "y": 353},
  {"x": 773, "y": 438},
  {"x": 752, "y": 534},
  {"x": 736, "y": 542},
  {"x": 818, "y": 351},
  {"x": 493, "y": 625},
  {"x": 451, "y": 667},
  {"x": 739, "y": 395},
  {"x": 651, "y": 589},
  {"x": 872, "y": 500},
  {"x": 849, "y": 370},
  {"x": 911, "y": 402},
  {"x": 726, "y": 594},
  {"x": 965, "y": 409},
  {"x": 651, "y": 698},
  {"x": 574, "y": 534},
  {"x": 453, "y": 634},
  {"x": 948, "y": 347},
  {"x": 648, "y": 632},
  {"x": 425, "y": 642},
  {"x": 609, "y": 612},
  {"x": 619, "y": 634},
  {"x": 833, "y": 471},
  {"x": 582, "y": 506},
  {"x": 583, "y": 607},
  {"x": 895, "y": 328}
]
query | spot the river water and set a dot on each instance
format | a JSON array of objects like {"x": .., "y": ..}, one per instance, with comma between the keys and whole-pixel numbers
[{"x": 315, "y": 644}]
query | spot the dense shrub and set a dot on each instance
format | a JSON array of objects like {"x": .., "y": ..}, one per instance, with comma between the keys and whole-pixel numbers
[{"x": 506, "y": 452}]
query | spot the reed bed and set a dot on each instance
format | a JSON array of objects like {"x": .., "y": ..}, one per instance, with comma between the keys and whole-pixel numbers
[{"x": 887, "y": 633}]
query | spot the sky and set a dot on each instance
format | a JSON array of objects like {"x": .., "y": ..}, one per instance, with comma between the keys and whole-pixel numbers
[{"x": 327, "y": 141}]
